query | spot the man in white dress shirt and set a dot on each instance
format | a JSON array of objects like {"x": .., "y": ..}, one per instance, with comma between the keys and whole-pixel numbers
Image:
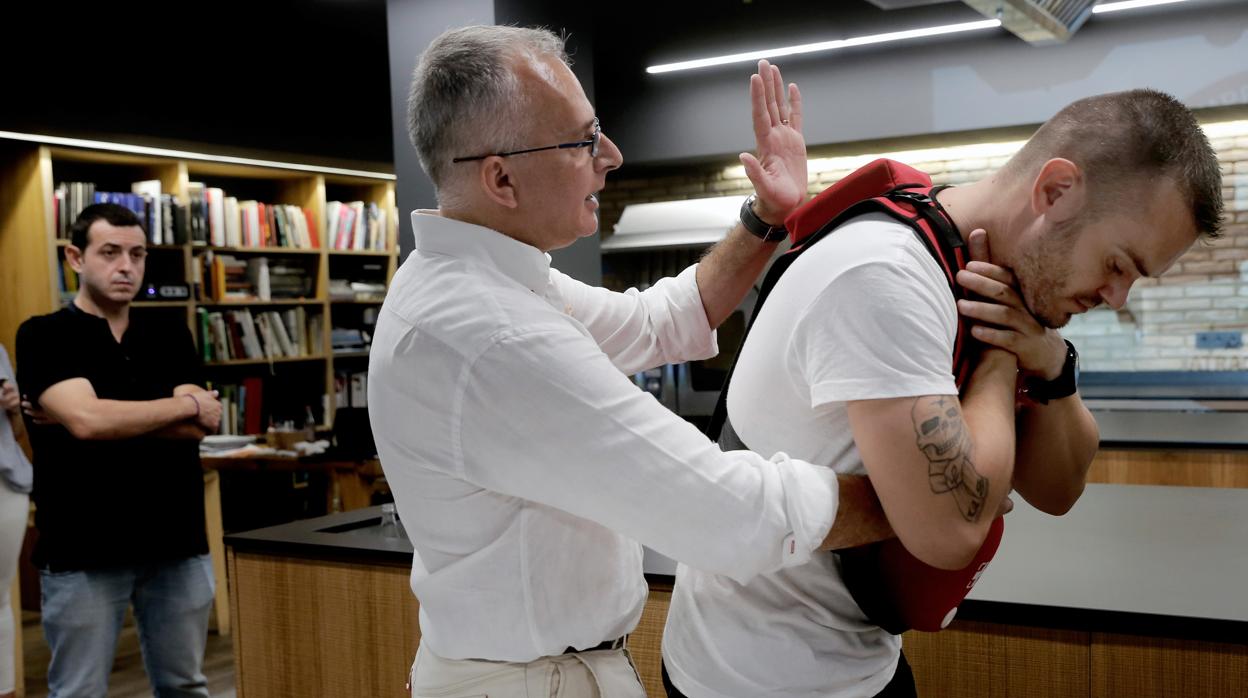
[{"x": 526, "y": 465}]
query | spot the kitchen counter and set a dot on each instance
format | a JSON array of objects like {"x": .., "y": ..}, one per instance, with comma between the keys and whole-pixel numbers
[
  {"x": 1170, "y": 423},
  {"x": 1132, "y": 574},
  {"x": 1170, "y": 559},
  {"x": 1147, "y": 559}
]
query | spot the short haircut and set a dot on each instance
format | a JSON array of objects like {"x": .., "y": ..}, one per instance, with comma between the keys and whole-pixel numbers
[
  {"x": 1121, "y": 137},
  {"x": 113, "y": 214},
  {"x": 465, "y": 97}
]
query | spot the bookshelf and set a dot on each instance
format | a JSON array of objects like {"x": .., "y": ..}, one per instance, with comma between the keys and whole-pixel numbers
[{"x": 344, "y": 265}]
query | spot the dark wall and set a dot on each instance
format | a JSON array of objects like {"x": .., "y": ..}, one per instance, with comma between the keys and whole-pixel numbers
[
  {"x": 1199, "y": 52},
  {"x": 290, "y": 76},
  {"x": 411, "y": 25},
  {"x": 583, "y": 260}
]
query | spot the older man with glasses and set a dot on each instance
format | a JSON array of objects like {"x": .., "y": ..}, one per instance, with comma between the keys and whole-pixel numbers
[{"x": 527, "y": 467}]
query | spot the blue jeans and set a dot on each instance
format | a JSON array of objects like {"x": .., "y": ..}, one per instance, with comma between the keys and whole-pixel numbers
[{"x": 83, "y": 613}]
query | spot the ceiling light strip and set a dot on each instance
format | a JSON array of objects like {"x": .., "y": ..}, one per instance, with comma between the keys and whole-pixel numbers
[
  {"x": 1130, "y": 5},
  {"x": 751, "y": 56},
  {"x": 187, "y": 155}
]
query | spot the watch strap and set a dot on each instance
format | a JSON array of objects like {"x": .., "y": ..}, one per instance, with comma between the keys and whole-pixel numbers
[
  {"x": 1065, "y": 385},
  {"x": 757, "y": 226}
]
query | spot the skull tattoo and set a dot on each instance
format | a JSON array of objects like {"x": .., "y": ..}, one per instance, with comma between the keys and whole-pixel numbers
[{"x": 943, "y": 439}]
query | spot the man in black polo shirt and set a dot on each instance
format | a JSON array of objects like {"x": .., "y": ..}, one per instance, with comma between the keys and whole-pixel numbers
[{"x": 115, "y": 413}]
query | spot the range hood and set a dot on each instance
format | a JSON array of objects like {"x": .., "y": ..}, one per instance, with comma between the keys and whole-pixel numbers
[
  {"x": 1038, "y": 22},
  {"x": 669, "y": 224}
]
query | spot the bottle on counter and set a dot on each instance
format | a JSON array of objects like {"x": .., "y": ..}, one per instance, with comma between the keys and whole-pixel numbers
[{"x": 391, "y": 527}]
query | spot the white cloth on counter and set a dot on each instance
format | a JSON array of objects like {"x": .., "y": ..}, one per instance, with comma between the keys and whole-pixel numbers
[
  {"x": 527, "y": 467},
  {"x": 865, "y": 314}
]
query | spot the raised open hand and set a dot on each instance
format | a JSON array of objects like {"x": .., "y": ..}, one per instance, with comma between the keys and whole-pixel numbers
[{"x": 778, "y": 172}]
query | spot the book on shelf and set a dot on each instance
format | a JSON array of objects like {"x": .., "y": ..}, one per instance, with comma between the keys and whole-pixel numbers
[
  {"x": 226, "y": 221},
  {"x": 351, "y": 389},
  {"x": 149, "y": 191},
  {"x": 227, "y": 278},
  {"x": 164, "y": 218},
  {"x": 242, "y": 406},
  {"x": 355, "y": 225},
  {"x": 68, "y": 280},
  {"x": 232, "y": 335},
  {"x": 349, "y": 340},
  {"x": 258, "y": 273}
]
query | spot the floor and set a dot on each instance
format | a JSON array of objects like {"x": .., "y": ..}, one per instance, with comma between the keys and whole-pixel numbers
[{"x": 128, "y": 679}]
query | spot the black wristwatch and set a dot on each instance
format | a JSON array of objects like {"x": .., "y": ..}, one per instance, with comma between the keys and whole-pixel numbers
[
  {"x": 1065, "y": 385},
  {"x": 757, "y": 226}
]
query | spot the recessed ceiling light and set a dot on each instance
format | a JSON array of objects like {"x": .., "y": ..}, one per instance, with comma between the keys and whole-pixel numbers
[{"x": 751, "y": 56}]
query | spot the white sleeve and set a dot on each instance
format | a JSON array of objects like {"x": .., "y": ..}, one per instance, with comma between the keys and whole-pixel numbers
[
  {"x": 665, "y": 324},
  {"x": 882, "y": 329},
  {"x": 551, "y": 421}
]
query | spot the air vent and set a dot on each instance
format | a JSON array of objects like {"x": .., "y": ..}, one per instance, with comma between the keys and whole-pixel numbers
[{"x": 1037, "y": 21}]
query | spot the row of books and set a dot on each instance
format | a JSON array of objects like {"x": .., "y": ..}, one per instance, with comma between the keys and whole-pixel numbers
[
  {"x": 212, "y": 218},
  {"x": 351, "y": 389},
  {"x": 355, "y": 225},
  {"x": 166, "y": 221},
  {"x": 239, "y": 334},
  {"x": 242, "y": 406},
  {"x": 228, "y": 222},
  {"x": 223, "y": 277}
]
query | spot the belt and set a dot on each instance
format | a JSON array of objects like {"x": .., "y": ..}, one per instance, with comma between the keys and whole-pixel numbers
[{"x": 604, "y": 645}]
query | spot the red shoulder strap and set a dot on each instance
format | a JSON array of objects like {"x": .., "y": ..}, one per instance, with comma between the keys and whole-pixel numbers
[{"x": 876, "y": 178}]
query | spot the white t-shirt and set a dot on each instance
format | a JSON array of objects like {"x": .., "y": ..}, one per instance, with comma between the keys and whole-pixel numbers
[{"x": 864, "y": 314}]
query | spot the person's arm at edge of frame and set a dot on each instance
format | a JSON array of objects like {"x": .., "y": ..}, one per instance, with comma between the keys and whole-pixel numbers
[
  {"x": 778, "y": 174},
  {"x": 14, "y": 414}
]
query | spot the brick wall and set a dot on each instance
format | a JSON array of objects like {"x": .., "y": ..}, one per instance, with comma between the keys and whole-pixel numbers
[{"x": 1207, "y": 290}]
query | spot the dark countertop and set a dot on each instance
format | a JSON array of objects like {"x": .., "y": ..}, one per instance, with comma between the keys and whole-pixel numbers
[
  {"x": 353, "y": 534},
  {"x": 1134, "y": 559},
  {"x": 1169, "y": 409},
  {"x": 1165, "y": 425}
]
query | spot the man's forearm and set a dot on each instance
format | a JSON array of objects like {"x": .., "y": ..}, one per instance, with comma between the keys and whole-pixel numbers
[
  {"x": 1056, "y": 444},
  {"x": 729, "y": 270},
  {"x": 988, "y": 409},
  {"x": 107, "y": 420},
  {"x": 860, "y": 519}
]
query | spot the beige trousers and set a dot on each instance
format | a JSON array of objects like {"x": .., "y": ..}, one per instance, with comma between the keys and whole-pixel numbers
[{"x": 598, "y": 674}]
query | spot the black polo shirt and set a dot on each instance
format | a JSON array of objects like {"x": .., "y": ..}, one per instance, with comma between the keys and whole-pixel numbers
[{"x": 121, "y": 502}]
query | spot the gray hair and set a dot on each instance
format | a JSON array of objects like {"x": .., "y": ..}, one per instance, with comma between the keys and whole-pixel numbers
[{"x": 465, "y": 97}]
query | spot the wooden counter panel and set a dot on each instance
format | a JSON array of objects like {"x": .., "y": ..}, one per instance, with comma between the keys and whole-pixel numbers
[
  {"x": 988, "y": 660},
  {"x": 1170, "y": 467},
  {"x": 645, "y": 643},
  {"x": 1145, "y": 667},
  {"x": 318, "y": 627}
]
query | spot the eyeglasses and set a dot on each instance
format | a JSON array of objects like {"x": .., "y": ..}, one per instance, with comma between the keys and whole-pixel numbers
[{"x": 591, "y": 143}]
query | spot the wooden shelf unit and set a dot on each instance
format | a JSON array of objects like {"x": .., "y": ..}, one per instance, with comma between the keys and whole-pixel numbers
[{"x": 30, "y": 251}]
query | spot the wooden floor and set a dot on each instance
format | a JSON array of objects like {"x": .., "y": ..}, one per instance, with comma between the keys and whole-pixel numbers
[{"x": 128, "y": 679}]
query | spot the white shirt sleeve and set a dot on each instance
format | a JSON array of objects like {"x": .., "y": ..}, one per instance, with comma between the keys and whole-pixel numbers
[
  {"x": 882, "y": 329},
  {"x": 664, "y": 324},
  {"x": 543, "y": 417}
]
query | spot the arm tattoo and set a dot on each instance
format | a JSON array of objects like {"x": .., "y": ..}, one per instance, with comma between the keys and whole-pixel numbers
[{"x": 943, "y": 439}]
